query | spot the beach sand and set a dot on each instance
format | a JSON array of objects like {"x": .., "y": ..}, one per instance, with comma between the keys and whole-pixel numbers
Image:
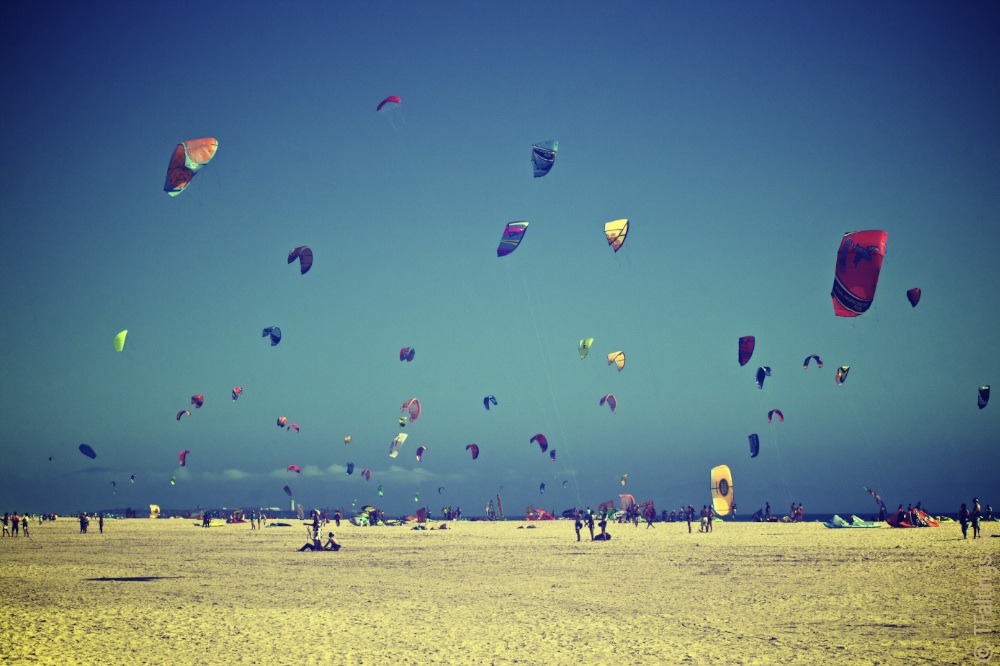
[{"x": 493, "y": 593}]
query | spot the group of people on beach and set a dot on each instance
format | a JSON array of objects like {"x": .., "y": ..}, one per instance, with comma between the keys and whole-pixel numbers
[
  {"x": 965, "y": 516},
  {"x": 587, "y": 517},
  {"x": 12, "y": 524}
]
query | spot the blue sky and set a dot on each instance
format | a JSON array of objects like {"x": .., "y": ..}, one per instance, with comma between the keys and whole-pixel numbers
[{"x": 742, "y": 140}]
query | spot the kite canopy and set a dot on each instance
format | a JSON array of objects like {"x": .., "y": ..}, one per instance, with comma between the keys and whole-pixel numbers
[
  {"x": 293, "y": 425},
  {"x": 391, "y": 99},
  {"x": 288, "y": 491},
  {"x": 413, "y": 407},
  {"x": 274, "y": 332},
  {"x": 420, "y": 453},
  {"x": 612, "y": 402},
  {"x": 762, "y": 372},
  {"x": 487, "y": 400},
  {"x": 282, "y": 420},
  {"x": 842, "y": 374},
  {"x": 396, "y": 444},
  {"x": 120, "y": 340},
  {"x": 294, "y": 468},
  {"x": 181, "y": 413},
  {"x": 984, "y": 396},
  {"x": 722, "y": 490},
  {"x": 350, "y": 468},
  {"x": 367, "y": 473},
  {"x": 616, "y": 232},
  {"x": 188, "y": 158},
  {"x": 624, "y": 479},
  {"x": 305, "y": 257},
  {"x": 618, "y": 358},
  {"x": 814, "y": 357},
  {"x": 87, "y": 451},
  {"x": 407, "y": 353},
  {"x": 859, "y": 262},
  {"x": 197, "y": 400},
  {"x": 512, "y": 235},
  {"x": 585, "y": 346},
  {"x": 552, "y": 455},
  {"x": 754, "y": 445},
  {"x": 347, "y": 440},
  {"x": 182, "y": 458},
  {"x": 913, "y": 295},
  {"x": 474, "y": 449},
  {"x": 541, "y": 488},
  {"x": 543, "y": 156},
  {"x": 773, "y": 413},
  {"x": 543, "y": 443},
  {"x": 747, "y": 343},
  {"x": 237, "y": 392}
]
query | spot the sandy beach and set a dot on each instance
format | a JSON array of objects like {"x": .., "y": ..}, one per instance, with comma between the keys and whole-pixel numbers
[{"x": 167, "y": 592}]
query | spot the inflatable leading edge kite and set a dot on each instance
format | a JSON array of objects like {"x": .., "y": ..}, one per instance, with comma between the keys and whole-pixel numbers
[
  {"x": 859, "y": 262},
  {"x": 188, "y": 158}
]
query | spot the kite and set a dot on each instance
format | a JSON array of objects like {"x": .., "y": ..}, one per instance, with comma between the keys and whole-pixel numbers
[
  {"x": 420, "y": 453},
  {"x": 293, "y": 425},
  {"x": 747, "y": 343},
  {"x": 440, "y": 490},
  {"x": 132, "y": 479},
  {"x": 543, "y": 443},
  {"x": 487, "y": 400},
  {"x": 842, "y": 374},
  {"x": 380, "y": 491},
  {"x": 413, "y": 407},
  {"x": 541, "y": 488},
  {"x": 618, "y": 358},
  {"x": 237, "y": 392},
  {"x": 616, "y": 232},
  {"x": 407, "y": 353},
  {"x": 764, "y": 371},
  {"x": 182, "y": 412},
  {"x": 585, "y": 345},
  {"x": 416, "y": 498},
  {"x": 612, "y": 402},
  {"x": 197, "y": 400},
  {"x": 624, "y": 478},
  {"x": 875, "y": 496},
  {"x": 814, "y": 357},
  {"x": 722, "y": 490},
  {"x": 543, "y": 156},
  {"x": 913, "y": 295},
  {"x": 512, "y": 235},
  {"x": 188, "y": 158},
  {"x": 350, "y": 468},
  {"x": 305, "y": 256},
  {"x": 282, "y": 420},
  {"x": 474, "y": 449},
  {"x": 775, "y": 412},
  {"x": 173, "y": 481},
  {"x": 565, "y": 482},
  {"x": 87, "y": 451},
  {"x": 182, "y": 458},
  {"x": 120, "y": 340},
  {"x": 347, "y": 440},
  {"x": 754, "y": 445},
  {"x": 274, "y": 332},
  {"x": 984, "y": 396},
  {"x": 391, "y": 99},
  {"x": 288, "y": 491},
  {"x": 397, "y": 443},
  {"x": 859, "y": 261},
  {"x": 367, "y": 473},
  {"x": 294, "y": 468},
  {"x": 552, "y": 455}
]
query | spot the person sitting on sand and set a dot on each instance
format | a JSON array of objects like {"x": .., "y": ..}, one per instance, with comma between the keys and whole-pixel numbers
[
  {"x": 330, "y": 543},
  {"x": 313, "y": 542}
]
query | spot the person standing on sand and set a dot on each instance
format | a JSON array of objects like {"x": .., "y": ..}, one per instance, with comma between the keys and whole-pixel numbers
[
  {"x": 15, "y": 524},
  {"x": 590, "y": 524},
  {"x": 24, "y": 524},
  {"x": 6, "y": 521},
  {"x": 767, "y": 511},
  {"x": 977, "y": 512},
  {"x": 963, "y": 519},
  {"x": 578, "y": 525},
  {"x": 690, "y": 515},
  {"x": 604, "y": 525},
  {"x": 711, "y": 517}
]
